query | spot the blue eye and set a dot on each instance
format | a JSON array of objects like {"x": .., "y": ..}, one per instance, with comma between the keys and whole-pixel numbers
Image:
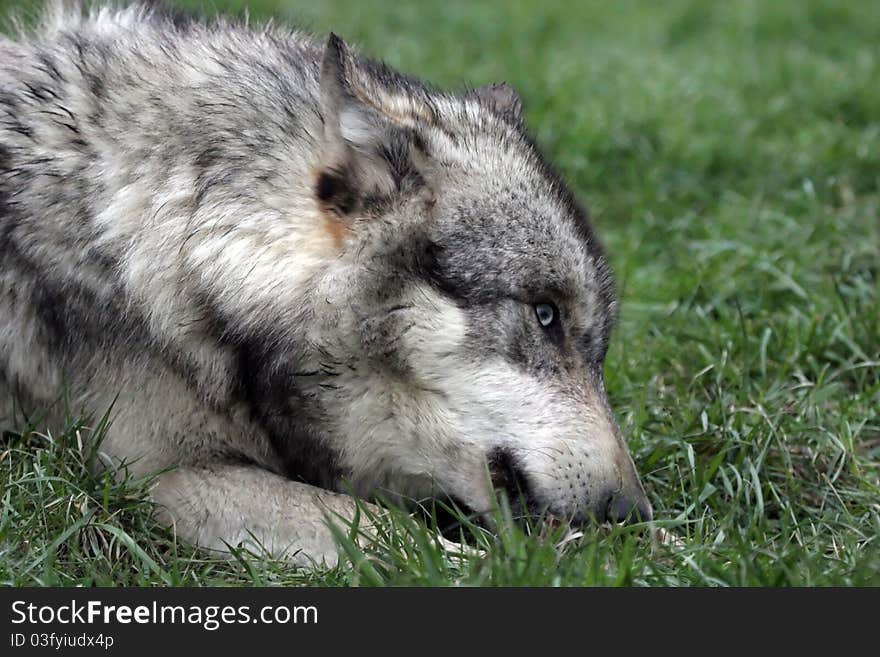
[{"x": 546, "y": 314}]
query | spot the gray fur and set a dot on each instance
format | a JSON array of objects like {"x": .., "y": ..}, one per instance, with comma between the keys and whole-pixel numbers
[{"x": 299, "y": 271}]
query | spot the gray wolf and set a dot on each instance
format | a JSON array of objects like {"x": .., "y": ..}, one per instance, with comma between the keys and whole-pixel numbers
[{"x": 295, "y": 274}]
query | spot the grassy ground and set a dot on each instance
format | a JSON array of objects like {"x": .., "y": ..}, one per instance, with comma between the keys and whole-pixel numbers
[{"x": 731, "y": 155}]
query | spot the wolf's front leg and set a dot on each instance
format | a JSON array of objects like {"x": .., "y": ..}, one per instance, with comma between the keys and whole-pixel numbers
[{"x": 222, "y": 505}]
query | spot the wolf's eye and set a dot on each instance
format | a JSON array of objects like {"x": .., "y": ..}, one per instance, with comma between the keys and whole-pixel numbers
[{"x": 546, "y": 314}]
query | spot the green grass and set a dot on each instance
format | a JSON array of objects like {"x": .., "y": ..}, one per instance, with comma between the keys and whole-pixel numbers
[{"x": 730, "y": 153}]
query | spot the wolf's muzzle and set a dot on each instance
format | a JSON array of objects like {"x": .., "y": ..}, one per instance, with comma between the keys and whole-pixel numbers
[
  {"x": 623, "y": 507},
  {"x": 628, "y": 504}
]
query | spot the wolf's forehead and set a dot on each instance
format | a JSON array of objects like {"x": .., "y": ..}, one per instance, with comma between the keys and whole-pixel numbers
[
  {"x": 513, "y": 228},
  {"x": 511, "y": 236},
  {"x": 532, "y": 204}
]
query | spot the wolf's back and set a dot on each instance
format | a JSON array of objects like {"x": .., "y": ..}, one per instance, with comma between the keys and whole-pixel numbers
[{"x": 131, "y": 144}]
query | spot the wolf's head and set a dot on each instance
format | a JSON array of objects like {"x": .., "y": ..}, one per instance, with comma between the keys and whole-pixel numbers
[{"x": 468, "y": 315}]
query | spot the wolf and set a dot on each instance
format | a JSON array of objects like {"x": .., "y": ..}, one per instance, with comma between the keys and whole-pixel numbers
[{"x": 299, "y": 278}]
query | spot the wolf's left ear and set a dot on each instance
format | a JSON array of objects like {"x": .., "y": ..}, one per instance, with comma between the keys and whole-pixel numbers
[
  {"x": 503, "y": 99},
  {"x": 367, "y": 130}
]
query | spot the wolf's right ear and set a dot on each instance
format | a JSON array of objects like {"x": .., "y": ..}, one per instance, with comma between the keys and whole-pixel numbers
[{"x": 503, "y": 99}]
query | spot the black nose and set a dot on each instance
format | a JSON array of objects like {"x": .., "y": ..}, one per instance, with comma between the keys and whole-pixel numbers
[{"x": 628, "y": 508}]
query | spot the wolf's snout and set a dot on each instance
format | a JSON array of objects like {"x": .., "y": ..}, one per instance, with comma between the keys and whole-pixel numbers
[
  {"x": 623, "y": 507},
  {"x": 625, "y": 502}
]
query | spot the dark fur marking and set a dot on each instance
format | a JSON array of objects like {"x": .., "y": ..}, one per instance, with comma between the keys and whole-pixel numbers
[
  {"x": 266, "y": 382},
  {"x": 71, "y": 315},
  {"x": 429, "y": 268},
  {"x": 287, "y": 414},
  {"x": 207, "y": 157},
  {"x": 49, "y": 66},
  {"x": 5, "y": 159},
  {"x": 335, "y": 191},
  {"x": 96, "y": 85},
  {"x": 7, "y": 221}
]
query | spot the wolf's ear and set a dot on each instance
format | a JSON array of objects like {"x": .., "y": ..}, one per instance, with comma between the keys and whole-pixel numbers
[
  {"x": 366, "y": 134},
  {"x": 502, "y": 98},
  {"x": 348, "y": 121}
]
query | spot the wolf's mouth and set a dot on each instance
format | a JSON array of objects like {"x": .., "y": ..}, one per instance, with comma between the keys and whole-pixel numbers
[{"x": 509, "y": 478}]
